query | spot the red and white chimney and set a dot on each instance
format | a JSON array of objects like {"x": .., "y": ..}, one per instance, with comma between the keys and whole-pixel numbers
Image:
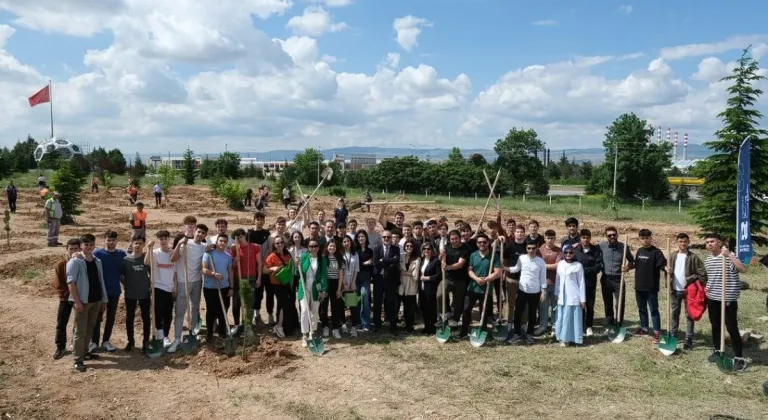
[
  {"x": 685, "y": 146},
  {"x": 674, "y": 150},
  {"x": 658, "y": 136}
]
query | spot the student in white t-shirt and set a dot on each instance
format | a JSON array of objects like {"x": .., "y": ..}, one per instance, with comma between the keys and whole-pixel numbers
[
  {"x": 194, "y": 250},
  {"x": 161, "y": 263},
  {"x": 685, "y": 267}
]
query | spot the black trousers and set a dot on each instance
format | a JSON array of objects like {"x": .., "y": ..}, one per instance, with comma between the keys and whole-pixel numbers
[
  {"x": 214, "y": 312},
  {"x": 158, "y": 198},
  {"x": 409, "y": 310},
  {"x": 385, "y": 294},
  {"x": 336, "y": 306},
  {"x": 266, "y": 287},
  {"x": 531, "y": 301},
  {"x": 610, "y": 286},
  {"x": 428, "y": 306},
  {"x": 731, "y": 324},
  {"x": 589, "y": 314},
  {"x": 109, "y": 324},
  {"x": 12, "y": 205},
  {"x": 164, "y": 311},
  {"x": 62, "y": 319},
  {"x": 248, "y": 201},
  {"x": 285, "y": 306},
  {"x": 470, "y": 299},
  {"x": 130, "y": 316}
]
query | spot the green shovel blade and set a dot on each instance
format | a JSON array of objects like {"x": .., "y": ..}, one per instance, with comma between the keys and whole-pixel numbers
[
  {"x": 230, "y": 345},
  {"x": 620, "y": 333},
  {"x": 501, "y": 333},
  {"x": 478, "y": 336},
  {"x": 155, "y": 348},
  {"x": 724, "y": 363},
  {"x": 667, "y": 345},
  {"x": 443, "y": 333},
  {"x": 316, "y": 346},
  {"x": 189, "y": 343}
]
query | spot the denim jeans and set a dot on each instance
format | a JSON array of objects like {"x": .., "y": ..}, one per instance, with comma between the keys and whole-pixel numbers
[
  {"x": 644, "y": 301},
  {"x": 364, "y": 288},
  {"x": 548, "y": 306}
]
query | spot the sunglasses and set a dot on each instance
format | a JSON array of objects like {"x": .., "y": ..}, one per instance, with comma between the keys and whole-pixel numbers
[
  {"x": 482, "y": 242},
  {"x": 314, "y": 246},
  {"x": 427, "y": 249},
  {"x": 386, "y": 237},
  {"x": 531, "y": 249},
  {"x": 611, "y": 235},
  {"x": 409, "y": 246}
]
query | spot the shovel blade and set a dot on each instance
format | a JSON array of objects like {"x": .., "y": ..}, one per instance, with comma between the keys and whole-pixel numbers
[
  {"x": 229, "y": 346},
  {"x": 501, "y": 333},
  {"x": 443, "y": 334},
  {"x": 189, "y": 344},
  {"x": 619, "y": 336},
  {"x": 198, "y": 327},
  {"x": 155, "y": 348},
  {"x": 667, "y": 345},
  {"x": 724, "y": 363},
  {"x": 478, "y": 337},
  {"x": 316, "y": 346}
]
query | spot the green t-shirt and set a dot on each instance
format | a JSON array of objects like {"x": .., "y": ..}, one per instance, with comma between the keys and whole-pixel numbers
[{"x": 481, "y": 266}]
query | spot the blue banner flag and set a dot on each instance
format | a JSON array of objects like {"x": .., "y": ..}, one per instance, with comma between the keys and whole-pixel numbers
[{"x": 743, "y": 233}]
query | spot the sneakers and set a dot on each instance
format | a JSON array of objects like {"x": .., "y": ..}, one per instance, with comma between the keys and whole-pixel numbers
[
  {"x": 529, "y": 339},
  {"x": 278, "y": 332},
  {"x": 655, "y": 339},
  {"x": 541, "y": 330},
  {"x": 174, "y": 347},
  {"x": 552, "y": 333},
  {"x": 128, "y": 347},
  {"x": 713, "y": 356},
  {"x": 453, "y": 324},
  {"x": 304, "y": 341},
  {"x": 366, "y": 329},
  {"x": 257, "y": 320},
  {"x": 166, "y": 342},
  {"x": 515, "y": 339},
  {"x": 326, "y": 332},
  {"x": 58, "y": 354},
  {"x": 353, "y": 332},
  {"x": 739, "y": 364},
  {"x": 344, "y": 329},
  {"x": 563, "y": 344},
  {"x": 271, "y": 319},
  {"x": 336, "y": 334},
  {"x": 108, "y": 346},
  {"x": 589, "y": 333},
  {"x": 688, "y": 346},
  {"x": 79, "y": 366},
  {"x": 640, "y": 331},
  {"x": 92, "y": 347}
]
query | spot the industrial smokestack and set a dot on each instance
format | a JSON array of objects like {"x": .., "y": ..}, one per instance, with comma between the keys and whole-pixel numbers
[
  {"x": 674, "y": 150},
  {"x": 685, "y": 146},
  {"x": 658, "y": 136}
]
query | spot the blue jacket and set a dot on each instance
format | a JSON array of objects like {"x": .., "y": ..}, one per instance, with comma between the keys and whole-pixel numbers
[
  {"x": 111, "y": 263},
  {"x": 77, "y": 272}
]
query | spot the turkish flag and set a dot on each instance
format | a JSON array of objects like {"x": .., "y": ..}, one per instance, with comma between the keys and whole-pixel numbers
[{"x": 42, "y": 96}]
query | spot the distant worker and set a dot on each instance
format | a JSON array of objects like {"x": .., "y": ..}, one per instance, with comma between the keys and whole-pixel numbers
[
  {"x": 158, "y": 194},
  {"x": 249, "y": 197},
  {"x": 286, "y": 196},
  {"x": 94, "y": 185},
  {"x": 52, "y": 214},
  {"x": 41, "y": 181},
  {"x": 12, "y": 194},
  {"x": 44, "y": 193},
  {"x": 133, "y": 194}
]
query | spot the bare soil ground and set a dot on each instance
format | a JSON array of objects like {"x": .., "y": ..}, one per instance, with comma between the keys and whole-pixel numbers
[{"x": 374, "y": 376}]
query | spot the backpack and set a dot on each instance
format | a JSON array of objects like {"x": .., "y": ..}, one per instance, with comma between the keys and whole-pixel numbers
[{"x": 695, "y": 300}]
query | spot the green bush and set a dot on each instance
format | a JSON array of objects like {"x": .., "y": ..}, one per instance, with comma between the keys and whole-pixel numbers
[
  {"x": 337, "y": 192},
  {"x": 233, "y": 192},
  {"x": 216, "y": 183},
  {"x": 69, "y": 185}
]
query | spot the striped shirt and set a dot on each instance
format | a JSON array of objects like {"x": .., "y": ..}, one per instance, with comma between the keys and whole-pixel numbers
[
  {"x": 334, "y": 266},
  {"x": 714, "y": 267}
]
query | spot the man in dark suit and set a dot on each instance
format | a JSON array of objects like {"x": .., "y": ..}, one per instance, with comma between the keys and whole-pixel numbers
[{"x": 386, "y": 275}]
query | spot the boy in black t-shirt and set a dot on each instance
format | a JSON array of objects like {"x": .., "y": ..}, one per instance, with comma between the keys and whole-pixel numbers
[
  {"x": 456, "y": 276},
  {"x": 649, "y": 263},
  {"x": 260, "y": 236}
]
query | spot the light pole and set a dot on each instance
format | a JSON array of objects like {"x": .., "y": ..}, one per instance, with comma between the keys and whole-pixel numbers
[{"x": 615, "y": 164}]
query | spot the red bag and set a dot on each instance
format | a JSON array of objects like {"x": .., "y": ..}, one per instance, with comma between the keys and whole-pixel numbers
[{"x": 695, "y": 300}]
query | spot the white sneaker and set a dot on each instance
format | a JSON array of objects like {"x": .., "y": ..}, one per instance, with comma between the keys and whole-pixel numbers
[
  {"x": 589, "y": 333},
  {"x": 540, "y": 330},
  {"x": 353, "y": 332},
  {"x": 108, "y": 346},
  {"x": 166, "y": 342},
  {"x": 326, "y": 332},
  {"x": 304, "y": 340},
  {"x": 92, "y": 347},
  {"x": 257, "y": 320},
  {"x": 448, "y": 315},
  {"x": 174, "y": 347},
  {"x": 336, "y": 334},
  {"x": 278, "y": 332},
  {"x": 344, "y": 329},
  {"x": 563, "y": 344},
  {"x": 552, "y": 334},
  {"x": 271, "y": 319}
]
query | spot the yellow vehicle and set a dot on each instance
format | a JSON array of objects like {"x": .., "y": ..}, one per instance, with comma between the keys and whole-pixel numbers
[{"x": 686, "y": 180}]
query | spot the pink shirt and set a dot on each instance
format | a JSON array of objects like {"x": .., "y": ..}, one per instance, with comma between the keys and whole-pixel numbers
[{"x": 551, "y": 256}]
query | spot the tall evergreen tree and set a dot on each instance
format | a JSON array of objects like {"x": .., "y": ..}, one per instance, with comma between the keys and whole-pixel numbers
[
  {"x": 188, "y": 167},
  {"x": 717, "y": 210}
]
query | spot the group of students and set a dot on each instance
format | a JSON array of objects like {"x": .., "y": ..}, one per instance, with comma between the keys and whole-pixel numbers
[{"x": 310, "y": 282}]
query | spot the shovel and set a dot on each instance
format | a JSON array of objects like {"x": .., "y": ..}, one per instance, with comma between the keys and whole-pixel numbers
[
  {"x": 315, "y": 344},
  {"x": 194, "y": 329},
  {"x": 155, "y": 348},
  {"x": 188, "y": 343},
  {"x": 668, "y": 342},
  {"x": 723, "y": 362},
  {"x": 502, "y": 330},
  {"x": 479, "y": 334},
  {"x": 443, "y": 332},
  {"x": 620, "y": 333},
  {"x": 326, "y": 175},
  {"x": 229, "y": 341}
]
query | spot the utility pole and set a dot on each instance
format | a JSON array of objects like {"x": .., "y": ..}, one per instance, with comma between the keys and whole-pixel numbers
[{"x": 615, "y": 164}]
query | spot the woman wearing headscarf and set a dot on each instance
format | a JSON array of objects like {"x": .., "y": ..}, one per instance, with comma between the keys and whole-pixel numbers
[
  {"x": 570, "y": 290},
  {"x": 409, "y": 281}
]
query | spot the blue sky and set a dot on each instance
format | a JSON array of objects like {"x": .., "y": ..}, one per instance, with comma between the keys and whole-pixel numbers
[{"x": 331, "y": 85}]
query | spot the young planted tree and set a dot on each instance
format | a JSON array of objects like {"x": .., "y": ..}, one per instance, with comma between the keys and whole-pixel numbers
[
  {"x": 67, "y": 182},
  {"x": 167, "y": 176},
  {"x": 188, "y": 167},
  {"x": 717, "y": 209},
  {"x": 7, "y": 227},
  {"x": 106, "y": 180}
]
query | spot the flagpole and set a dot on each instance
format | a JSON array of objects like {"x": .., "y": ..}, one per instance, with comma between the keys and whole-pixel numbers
[{"x": 50, "y": 102}]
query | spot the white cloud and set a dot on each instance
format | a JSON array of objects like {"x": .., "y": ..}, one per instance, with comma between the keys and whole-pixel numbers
[
  {"x": 332, "y": 3},
  {"x": 759, "y": 50},
  {"x": 626, "y": 9},
  {"x": 315, "y": 21},
  {"x": 546, "y": 22},
  {"x": 698, "y": 50},
  {"x": 391, "y": 60},
  {"x": 712, "y": 69},
  {"x": 408, "y": 29}
]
